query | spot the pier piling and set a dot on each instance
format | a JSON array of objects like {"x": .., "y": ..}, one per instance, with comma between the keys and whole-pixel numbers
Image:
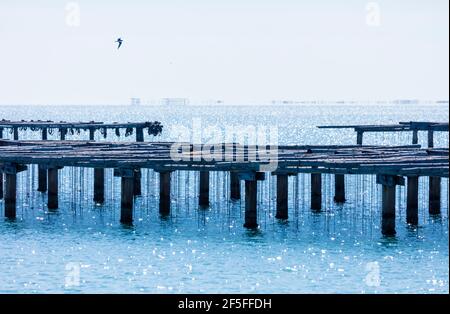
[
  {"x": 10, "y": 195},
  {"x": 412, "y": 202},
  {"x": 339, "y": 188},
  {"x": 316, "y": 191},
  {"x": 435, "y": 196},
  {"x": 388, "y": 210},
  {"x": 389, "y": 184},
  {"x": 282, "y": 196},
  {"x": 127, "y": 199},
  {"x": 251, "y": 215},
  {"x": 235, "y": 186},
  {"x": 42, "y": 179},
  {"x": 99, "y": 185},
  {"x": 137, "y": 182},
  {"x": 164, "y": 192},
  {"x": 1, "y": 185},
  {"x": 204, "y": 189},
  {"x": 251, "y": 197},
  {"x": 52, "y": 202}
]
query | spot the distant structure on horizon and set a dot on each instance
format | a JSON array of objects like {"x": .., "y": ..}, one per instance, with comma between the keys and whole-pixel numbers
[
  {"x": 135, "y": 101},
  {"x": 406, "y": 102},
  {"x": 174, "y": 101}
]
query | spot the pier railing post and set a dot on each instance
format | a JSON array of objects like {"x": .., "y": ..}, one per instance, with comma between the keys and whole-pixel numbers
[
  {"x": 251, "y": 197},
  {"x": 430, "y": 139},
  {"x": 99, "y": 185},
  {"x": 412, "y": 202},
  {"x": 359, "y": 137},
  {"x": 52, "y": 202},
  {"x": 16, "y": 133},
  {"x": 235, "y": 186},
  {"x": 44, "y": 134},
  {"x": 203, "y": 199},
  {"x": 92, "y": 134},
  {"x": 339, "y": 188},
  {"x": 435, "y": 196},
  {"x": 139, "y": 134},
  {"x": 164, "y": 192},
  {"x": 282, "y": 196},
  {"x": 415, "y": 139},
  {"x": 389, "y": 184},
  {"x": 63, "y": 133},
  {"x": 316, "y": 191}
]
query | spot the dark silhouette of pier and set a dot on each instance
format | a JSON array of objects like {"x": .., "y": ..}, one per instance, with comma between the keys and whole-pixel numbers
[{"x": 246, "y": 164}]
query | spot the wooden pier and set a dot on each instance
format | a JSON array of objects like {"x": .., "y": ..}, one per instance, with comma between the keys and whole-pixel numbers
[
  {"x": 70, "y": 128},
  {"x": 414, "y": 127},
  {"x": 392, "y": 166}
]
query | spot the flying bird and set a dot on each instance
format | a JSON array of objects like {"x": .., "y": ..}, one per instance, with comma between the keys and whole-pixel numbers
[{"x": 119, "y": 41}]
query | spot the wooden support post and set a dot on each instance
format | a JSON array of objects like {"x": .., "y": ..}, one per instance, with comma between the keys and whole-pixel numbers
[
  {"x": 430, "y": 139},
  {"x": 137, "y": 182},
  {"x": 251, "y": 214},
  {"x": 435, "y": 196},
  {"x": 63, "y": 132},
  {"x": 52, "y": 188},
  {"x": 316, "y": 191},
  {"x": 92, "y": 134},
  {"x": 42, "y": 179},
  {"x": 127, "y": 199},
  {"x": 282, "y": 196},
  {"x": 389, "y": 184},
  {"x": 99, "y": 185},
  {"x": 412, "y": 202},
  {"x": 388, "y": 210},
  {"x": 44, "y": 134},
  {"x": 235, "y": 186},
  {"x": 164, "y": 193},
  {"x": 203, "y": 200},
  {"x": 139, "y": 134},
  {"x": 10, "y": 195},
  {"x": 359, "y": 137},
  {"x": 415, "y": 139},
  {"x": 16, "y": 133},
  {"x": 339, "y": 188},
  {"x": 1, "y": 185}
]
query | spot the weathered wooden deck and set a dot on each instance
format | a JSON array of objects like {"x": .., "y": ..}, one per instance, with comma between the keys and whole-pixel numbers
[
  {"x": 245, "y": 163},
  {"x": 67, "y": 128},
  {"x": 412, "y": 126}
]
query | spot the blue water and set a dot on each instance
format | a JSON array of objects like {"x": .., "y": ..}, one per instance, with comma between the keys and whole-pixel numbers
[{"x": 339, "y": 250}]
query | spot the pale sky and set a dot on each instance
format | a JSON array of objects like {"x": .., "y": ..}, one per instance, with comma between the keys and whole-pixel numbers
[{"x": 233, "y": 50}]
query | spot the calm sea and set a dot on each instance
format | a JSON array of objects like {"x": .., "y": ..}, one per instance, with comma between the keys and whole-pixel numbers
[{"x": 83, "y": 247}]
